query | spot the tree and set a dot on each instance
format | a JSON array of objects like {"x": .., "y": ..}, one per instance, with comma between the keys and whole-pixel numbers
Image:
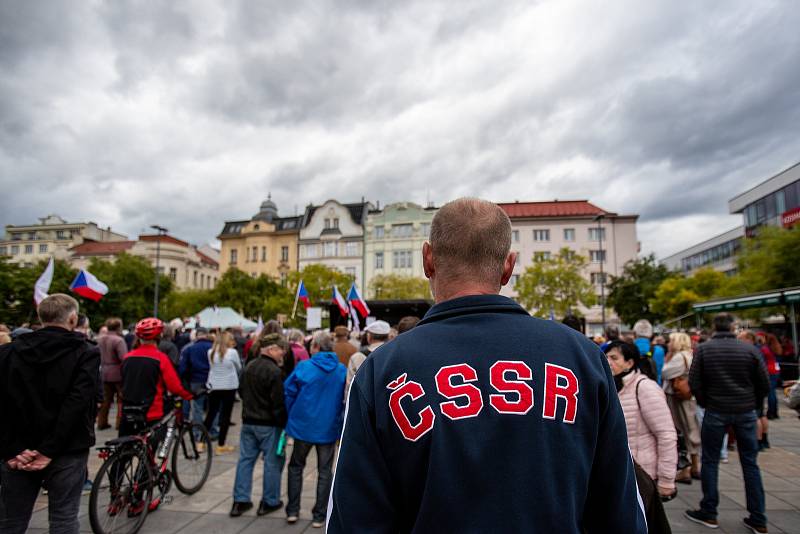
[
  {"x": 631, "y": 293},
  {"x": 675, "y": 296},
  {"x": 771, "y": 260},
  {"x": 16, "y": 288},
  {"x": 395, "y": 286},
  {"x": 556, "y": 283},
  {"x": 319, "y": 281}
]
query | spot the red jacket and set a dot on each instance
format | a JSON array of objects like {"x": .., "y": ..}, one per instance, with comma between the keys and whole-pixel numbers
[
  {"x": 770, "y": 361},
  {"x": 147, "y": 376}
]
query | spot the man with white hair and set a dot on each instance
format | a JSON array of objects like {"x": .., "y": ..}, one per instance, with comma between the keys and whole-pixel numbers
[
  {"x": 483, "y": 418},
  {"x": 377, "y": 335},
  {"x": 652, "y": 355}
]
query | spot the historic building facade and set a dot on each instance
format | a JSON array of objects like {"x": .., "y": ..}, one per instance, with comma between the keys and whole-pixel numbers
[
  {"x": 332, "y": 234},
  {"x": 263, "y": 244},
  {"x": 393, "y": 241}
]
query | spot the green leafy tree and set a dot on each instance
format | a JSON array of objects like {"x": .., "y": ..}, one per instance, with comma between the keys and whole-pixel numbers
[
  {"x": 675, "y": 296},
  {"x": 631, "y": 293},
  {"x": 319, "y": 280},
  {"x": 557, "y": 283},
  {"x": 771, "y": 260},
  {"x": 16, "y": 288},
  {"x": 395, "y": 286}
]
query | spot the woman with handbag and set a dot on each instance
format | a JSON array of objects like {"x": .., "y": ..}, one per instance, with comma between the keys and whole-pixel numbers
[{"x": 675, "y": 379}]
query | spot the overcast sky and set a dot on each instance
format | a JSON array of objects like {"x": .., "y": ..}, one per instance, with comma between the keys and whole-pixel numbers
[{"x": 186, "y": 114}]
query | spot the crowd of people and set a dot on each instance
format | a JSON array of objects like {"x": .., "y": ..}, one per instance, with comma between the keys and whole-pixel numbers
[{"x": 428, "y": 411}]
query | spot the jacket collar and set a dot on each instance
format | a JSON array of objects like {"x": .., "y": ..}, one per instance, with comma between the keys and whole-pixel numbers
[
  {"x": 723, "y": 335},
  {"x": 472, "y": 304}
]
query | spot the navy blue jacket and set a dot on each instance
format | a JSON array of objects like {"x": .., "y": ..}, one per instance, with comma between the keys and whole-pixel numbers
[
  {"x": 194, "y": 364},
  {"x": 484, "y": 419},
  {"x": 314, "y": 395}
]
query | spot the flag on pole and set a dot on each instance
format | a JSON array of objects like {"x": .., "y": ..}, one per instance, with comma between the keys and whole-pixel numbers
[
  {"x": 356, "y": 323},
  {"x": 87, "y": 285},
  {"x": 552, "y": 314},
  {"x": 356, "y": 301},
  {"x": 338, "y": 299},
  {"x": 43, "y": 283},
  {"x": 301, "y": 295},
  {"x": 259, "y": 326}
]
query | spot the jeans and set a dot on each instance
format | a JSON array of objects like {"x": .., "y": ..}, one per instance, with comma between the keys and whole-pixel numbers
[
  {"x": 220, "y": 407},
  {"x": 110, "y": 390},
  {"x": 714, "y": 428},
  {"x": 723, "y": 452},
  {"x": 255, "y": 440},
  {"x": 297, "y": 463},
  {"x": 63, "y": 478},
  {"x": 195, "y": 410},
  {"x": 772, "y": 398}
]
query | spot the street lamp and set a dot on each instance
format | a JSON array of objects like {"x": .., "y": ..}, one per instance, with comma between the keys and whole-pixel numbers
[
  {"x": 599, "y": 219},
  {"x": 161, "y": 231}
]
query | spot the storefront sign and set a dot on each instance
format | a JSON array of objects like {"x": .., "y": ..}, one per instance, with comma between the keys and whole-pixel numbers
[{"x": 791, "y": 217}]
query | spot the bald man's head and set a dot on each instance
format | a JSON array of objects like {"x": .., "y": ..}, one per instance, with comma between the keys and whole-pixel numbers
[{"x": 471, "y": 239}]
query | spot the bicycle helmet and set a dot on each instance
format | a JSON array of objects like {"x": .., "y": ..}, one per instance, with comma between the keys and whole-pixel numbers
[{"x": 149, "y": 328}]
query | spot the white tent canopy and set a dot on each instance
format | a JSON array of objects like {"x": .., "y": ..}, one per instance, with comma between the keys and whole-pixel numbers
[{"x": 222, "y": 318}]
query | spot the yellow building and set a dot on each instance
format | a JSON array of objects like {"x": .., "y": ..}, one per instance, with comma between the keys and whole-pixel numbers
[{"x": 265, "y": 244}]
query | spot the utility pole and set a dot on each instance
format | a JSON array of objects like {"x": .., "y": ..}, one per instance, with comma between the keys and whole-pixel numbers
[
  {"x": 599, "y": 219},
  {"x": 161, "y": 231}
]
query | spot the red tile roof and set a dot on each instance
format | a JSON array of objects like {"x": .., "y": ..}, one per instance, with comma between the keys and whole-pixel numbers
[
  {"x": 554, "y": 208},
  {"x": 102, "y": 248},
  {"x": 164, "y": 239}
]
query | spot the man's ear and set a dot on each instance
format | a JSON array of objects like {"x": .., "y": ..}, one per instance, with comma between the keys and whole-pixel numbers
[
  {"x": 508, "y": 267},
  {"x": 427, "y": 260}
]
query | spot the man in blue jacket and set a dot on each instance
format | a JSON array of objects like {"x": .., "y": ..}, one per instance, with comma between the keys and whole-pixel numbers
[
  {"x": 314, "y": 393},
  {"x": 482, "y": 418},
  {"x": 193, "y": 370}
]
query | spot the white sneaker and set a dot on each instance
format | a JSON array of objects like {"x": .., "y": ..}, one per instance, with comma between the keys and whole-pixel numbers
[
  {"x": 318, "y": 524},
  {"x": 291, "y": 519}
]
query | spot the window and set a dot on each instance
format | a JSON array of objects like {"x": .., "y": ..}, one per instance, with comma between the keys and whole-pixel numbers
[
  {"x": 402, "y": 230},
  {"x": 597, "y": 234},
  {"x": 42, "y": 249},
  {"x": 309, "y": 251},
  {"x": 515, "y": 236},
  {"x": 173, "y": 273},
  {"x": 425, "y": 228},
  {"x": 791, "y": 195},
  {"x": 401, "y": 259},
  {"x": 541, "y": 256},
  {"x": 330, "y": 249},
  {"x": 28, "y": 249},
  {"x": 3, "y": 250},
  {"x": 336, "y": 222},
  {"x": 569, "y": 254},
  {"x": 263, "y": 253},
  {"x": 255, "y": 254},
  {"x": 378, "y": 232},
  {"x": 750, "y": 216},
  {"x": 379, "y": 260},
  {"x": 780, "y": 202},
  {"x": 32, "y": 236},
  {"x": 234, "y": 256},
  {"x": 283, "y": 279},
  {"x": 569, "y": 234},
  {"x": 351, "y": 248},
  {"x": 285, "y": 253},
  {"x": 350, "y": 271},
  {"x": 598, "y": 278},
  {"x": 60, "y": 234},
  {"x": 256, "y": 227},
  {"x": 597, "y": 256},
  {"x": 14, "y": 250},
  {"x": 194, "y": 279},
  {"x": 202, "y": 280},
  {"x": 541, "y": 235},
  {"x": 771, "y": 206},
  {"x": 327, "y": 224}
]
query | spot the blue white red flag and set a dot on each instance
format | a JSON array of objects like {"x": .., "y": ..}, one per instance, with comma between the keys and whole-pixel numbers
[
  {"x": 88, "y": 286},
  {"x": 302, "y": 295},
  {"x": 43, "y": 283},
  {"x": 338, "y": 299},
  {"x": 356, "y": 301}
]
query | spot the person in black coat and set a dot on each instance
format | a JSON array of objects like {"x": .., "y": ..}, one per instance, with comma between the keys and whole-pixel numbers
[{"x": 48, "y": 388}]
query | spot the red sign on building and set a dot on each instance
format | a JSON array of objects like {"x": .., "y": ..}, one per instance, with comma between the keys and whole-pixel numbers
[{"x": 791, "y": 217}]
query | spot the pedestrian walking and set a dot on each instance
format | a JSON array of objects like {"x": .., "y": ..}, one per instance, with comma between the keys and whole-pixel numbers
[
  {"x": 681, "y": 402},
  {"x": 729, "y": 379},
  {"x": 483, "y": 418},
  {"x": 263, "y": 421},
  {"x": 48, "y": 383},
  {"x": 313, "y": 395},
  {"x": 112, "y": 350},
  {"x": 223, "y": 381}
]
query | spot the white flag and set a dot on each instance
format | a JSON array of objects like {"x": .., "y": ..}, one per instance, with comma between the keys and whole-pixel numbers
[{"x": 43, "y": 283}]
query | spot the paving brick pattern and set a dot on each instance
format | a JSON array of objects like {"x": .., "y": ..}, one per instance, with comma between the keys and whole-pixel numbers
[{"x": 207, "y": 511}]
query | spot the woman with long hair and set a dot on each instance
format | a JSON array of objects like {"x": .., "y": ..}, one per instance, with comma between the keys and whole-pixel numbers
[
  {"x": 682, "y": 405},
  {"x": 223, "y": 381},
  {"x": 772, "y": 350},
  {"x": 651, "y": 433}
]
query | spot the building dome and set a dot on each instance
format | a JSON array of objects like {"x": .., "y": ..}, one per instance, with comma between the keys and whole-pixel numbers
[{"x": 268, "y": 210}]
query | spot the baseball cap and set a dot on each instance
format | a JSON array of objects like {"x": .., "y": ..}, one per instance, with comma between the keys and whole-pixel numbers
[{"x": 380, "y": 328}]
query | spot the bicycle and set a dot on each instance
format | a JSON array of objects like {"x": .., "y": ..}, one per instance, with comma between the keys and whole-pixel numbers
[{"x": 135, "y": 467}]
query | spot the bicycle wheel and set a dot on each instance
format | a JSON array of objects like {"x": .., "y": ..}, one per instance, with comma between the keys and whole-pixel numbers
[
  {"x": 191, "y": 458},
  {"x": 121, "y": 493}
]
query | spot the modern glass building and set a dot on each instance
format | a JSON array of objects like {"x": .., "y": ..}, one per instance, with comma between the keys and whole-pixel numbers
[{"x": 775, "y": 201}]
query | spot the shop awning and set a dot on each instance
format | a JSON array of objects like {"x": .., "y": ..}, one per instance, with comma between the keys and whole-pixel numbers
[{"x": 753, "y": 300}]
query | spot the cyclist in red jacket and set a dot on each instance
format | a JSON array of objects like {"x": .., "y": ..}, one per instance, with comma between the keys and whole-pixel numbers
[{"x": 147, "y": 376}]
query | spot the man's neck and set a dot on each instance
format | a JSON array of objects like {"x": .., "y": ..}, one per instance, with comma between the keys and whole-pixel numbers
[
  {"x": 450, "y": 293},
  {"x": 56, "y": 325}
]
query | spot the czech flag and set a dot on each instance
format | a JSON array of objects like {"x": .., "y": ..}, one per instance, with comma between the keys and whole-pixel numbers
[
  {"x": 357, "y": 302},
  {"x": 338, "y": 299},
  {"x": 302, "y": 295},
  {"x": 88, "y": 286}
]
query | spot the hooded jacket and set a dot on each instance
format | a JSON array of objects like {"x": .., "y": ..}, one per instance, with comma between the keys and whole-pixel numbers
[
  {"x": 484, "y": 419},
  {"x": 313, "y": 394},
  {"x": 48, "y": 385}
]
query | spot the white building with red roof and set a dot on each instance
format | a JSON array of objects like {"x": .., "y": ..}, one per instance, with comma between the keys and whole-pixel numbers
[{"x": 607, "y": 239}]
